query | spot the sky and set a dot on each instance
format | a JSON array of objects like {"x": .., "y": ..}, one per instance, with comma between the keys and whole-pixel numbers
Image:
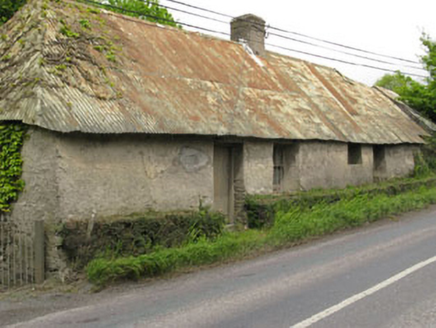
[{"x": 386, "y": 27}]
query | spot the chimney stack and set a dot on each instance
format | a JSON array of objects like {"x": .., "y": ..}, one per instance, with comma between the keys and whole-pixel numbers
[{"x": 251, "y": 29}]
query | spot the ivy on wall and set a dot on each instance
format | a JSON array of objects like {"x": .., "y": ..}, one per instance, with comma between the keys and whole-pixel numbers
[{"x": 11, "y": 140}]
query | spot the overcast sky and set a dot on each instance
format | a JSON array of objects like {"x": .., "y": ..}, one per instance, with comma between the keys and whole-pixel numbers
[{"x": 382, "y": 26}]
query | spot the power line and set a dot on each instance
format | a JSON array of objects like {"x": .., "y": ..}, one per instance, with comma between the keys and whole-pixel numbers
[
  {"x": 199, "y": 8},
  {"x": 299, "y": 34},
  {"x": 227, "y": 34},
  {"x": 345, "y": 46},
  {"x": 343, "y": 61},
  {"x": 345, "y": 52},
  {"x": 293, "y": 39},
  {"x": 189, "y": 13},
  {"x": 157, "y": 18}
]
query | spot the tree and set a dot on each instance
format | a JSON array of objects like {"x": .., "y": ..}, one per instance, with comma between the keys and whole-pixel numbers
[
  {"x": 394, "y": 82},
  {"x": 147, "y": 10},
  {"x": 8, "y": 9},
  {"x": 420, "y": 96}
]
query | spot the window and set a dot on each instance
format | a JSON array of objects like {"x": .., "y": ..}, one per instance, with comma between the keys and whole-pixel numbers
[
  {"x": 354, "y": 154},
  {"x": 279, "y": 167},
  {"x": 379, "y": 157}
]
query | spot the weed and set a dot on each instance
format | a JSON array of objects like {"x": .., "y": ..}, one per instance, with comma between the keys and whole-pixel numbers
[
  {"x": 99, "y": 48},
  {"x": 85, "y": 24},
  {"x": 93, "y": 10},
  {"x": 111, "y": 57},
  {"x": 61, "y": 67},
  {"x": 66, "y": 30},
  {"x": 292, "y": 224},
  {"x": 6, "y": 57}
]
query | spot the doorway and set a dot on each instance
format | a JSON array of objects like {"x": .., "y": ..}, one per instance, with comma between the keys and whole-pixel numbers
[
  {"x": 229, "y": 191},
  {"x": 379, "y": 162}
]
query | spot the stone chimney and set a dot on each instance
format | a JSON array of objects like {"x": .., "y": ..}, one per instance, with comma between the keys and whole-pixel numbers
[{"x": 251, "y": 29}]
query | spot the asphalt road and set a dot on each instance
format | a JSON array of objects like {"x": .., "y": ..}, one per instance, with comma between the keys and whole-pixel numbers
[{"x": 383, "y": 275}]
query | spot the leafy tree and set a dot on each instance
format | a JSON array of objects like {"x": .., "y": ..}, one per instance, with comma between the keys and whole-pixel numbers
[
  {"x": 8, "y": 9},
  {"x": 394, "y": 82},
  {"x": 147, "y": 10},
  {"x": 420, "y": 96}
]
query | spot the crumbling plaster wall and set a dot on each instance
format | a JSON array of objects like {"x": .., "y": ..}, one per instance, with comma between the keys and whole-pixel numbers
[
  {"x": 39, "y": 200},
  {"x": 399, "y": 160},
  {"x": 325, "y": 165},
  {"x": 117, "y": 175},
  {"x": 258, "y": 167}
]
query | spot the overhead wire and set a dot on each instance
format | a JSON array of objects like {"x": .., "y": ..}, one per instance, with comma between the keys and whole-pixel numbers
[
  {"x": 227, "y": 34},
  {"x": 151, "y": 16},
  {"x": 297, "y": 33},
  {"x": 292, "y": 39}
]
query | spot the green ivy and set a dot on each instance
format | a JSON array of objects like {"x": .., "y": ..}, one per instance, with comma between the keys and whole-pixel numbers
[{"x": 11, "y": 140}]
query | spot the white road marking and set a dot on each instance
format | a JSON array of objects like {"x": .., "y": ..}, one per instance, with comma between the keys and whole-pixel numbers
[{"x": 335, "y": 308}]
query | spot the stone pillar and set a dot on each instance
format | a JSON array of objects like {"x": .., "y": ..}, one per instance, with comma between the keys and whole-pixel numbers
[{"x": 251, "y": 29}]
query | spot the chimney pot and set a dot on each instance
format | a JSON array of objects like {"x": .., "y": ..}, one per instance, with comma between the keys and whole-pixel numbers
[{"x": 251, "y": 29}]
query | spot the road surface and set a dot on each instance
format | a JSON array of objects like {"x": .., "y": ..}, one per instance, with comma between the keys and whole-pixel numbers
[{"x": 383, "y": 275}]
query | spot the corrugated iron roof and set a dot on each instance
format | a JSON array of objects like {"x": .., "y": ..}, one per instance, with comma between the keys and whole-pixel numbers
[{"x": 124, "y": 75}]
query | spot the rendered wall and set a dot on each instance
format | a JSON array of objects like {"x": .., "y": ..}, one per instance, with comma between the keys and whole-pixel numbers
[
  {"x": 325, "y": 165},
  {"x": 76, "y": 176},
  {"x": 399, "y": 161},
  {"x": 258, "y": 167},
  {"x": 39, "y": 200},
  {"x": 118, "y": 175}
]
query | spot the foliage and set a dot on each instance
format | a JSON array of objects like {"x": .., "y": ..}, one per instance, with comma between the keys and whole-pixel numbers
[
  {"x": 138, "y": 235},
  {"x": 425, "y": 160},
  {"x": 298, "y": 224},
  {"x": 148, "y": 10},
  {"x": 8, "y": 9},
  {"x": 292, "y": 225},
  {"x": 262, "y": 209},
  {"x": 395, "y": 82},
  {"x": 421, "y": 97},
  {"x": 202, "y": 252},
  {"x": 11, "y": 140}
]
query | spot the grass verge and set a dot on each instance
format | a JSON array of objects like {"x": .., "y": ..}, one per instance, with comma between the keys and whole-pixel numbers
[{"x": 291, "y": 225}]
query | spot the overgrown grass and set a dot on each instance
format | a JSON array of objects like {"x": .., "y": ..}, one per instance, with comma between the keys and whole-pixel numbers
[
  {"x": 299, "y": 224},
  {"x": 230, "y": 245},
  {"x": 292, "y": 225}
]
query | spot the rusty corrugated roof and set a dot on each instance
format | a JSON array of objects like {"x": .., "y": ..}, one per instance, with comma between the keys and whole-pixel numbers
[{"x": 124, "y": 75}]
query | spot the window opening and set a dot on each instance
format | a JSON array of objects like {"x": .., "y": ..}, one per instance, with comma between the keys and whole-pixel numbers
[{"x": 354, "y": 154}]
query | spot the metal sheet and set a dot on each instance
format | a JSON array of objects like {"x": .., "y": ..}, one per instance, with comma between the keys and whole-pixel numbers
[{"x": 169, "y": 81}]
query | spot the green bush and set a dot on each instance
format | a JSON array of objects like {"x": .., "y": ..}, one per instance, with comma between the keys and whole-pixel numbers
[
  {"x": 292, "y": 225},
  {"x": 8, "y": 9},
  {"x": 297, "y": 224},
  {"x": 200, "y": 252},
  {"x": 262, "y": 209},
  {"x": 138, "y": 235}
]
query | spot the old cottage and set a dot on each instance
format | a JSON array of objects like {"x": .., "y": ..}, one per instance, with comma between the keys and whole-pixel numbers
[{"x": 127, "y": 116}]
